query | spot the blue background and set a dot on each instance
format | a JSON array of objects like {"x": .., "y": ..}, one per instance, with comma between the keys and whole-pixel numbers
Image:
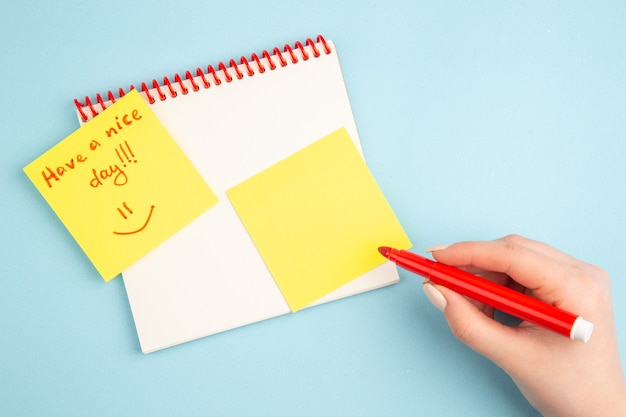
[{"x": 478, "y": 120}]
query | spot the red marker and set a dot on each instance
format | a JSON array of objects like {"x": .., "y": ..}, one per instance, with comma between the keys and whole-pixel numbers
[{"x": 497, "y": 296}]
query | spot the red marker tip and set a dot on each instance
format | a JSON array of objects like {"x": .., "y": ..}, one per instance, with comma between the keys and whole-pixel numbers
[{"x": 384, "y": 250}]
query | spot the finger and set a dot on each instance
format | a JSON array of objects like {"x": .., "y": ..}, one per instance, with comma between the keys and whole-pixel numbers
[
  {"x": 534, "y": 245},
  {"x": 531, "y": 269},
  {"x": 470, "y": 325},
  {"x": 542, "y": 248}
]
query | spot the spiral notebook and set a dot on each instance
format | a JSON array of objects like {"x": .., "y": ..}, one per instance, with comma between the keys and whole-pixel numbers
[{"x": 233, "y": 121}]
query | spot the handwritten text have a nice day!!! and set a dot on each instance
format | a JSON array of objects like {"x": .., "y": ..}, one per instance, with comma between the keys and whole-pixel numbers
[{"x": 100, "y": 176}]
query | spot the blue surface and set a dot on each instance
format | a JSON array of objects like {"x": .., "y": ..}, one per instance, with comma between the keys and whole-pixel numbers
[{"x": 477, "y": 120}]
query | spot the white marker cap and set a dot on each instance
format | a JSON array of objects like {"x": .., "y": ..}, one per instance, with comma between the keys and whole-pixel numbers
[{"x": 581, "y": 330}]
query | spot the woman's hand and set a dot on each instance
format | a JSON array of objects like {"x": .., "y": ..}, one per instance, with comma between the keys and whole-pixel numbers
[{"x": 559, "y": 376}]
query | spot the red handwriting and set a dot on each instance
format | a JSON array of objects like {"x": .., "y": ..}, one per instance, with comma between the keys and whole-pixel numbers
[
  {"x": 56, "y": 174},
  {"x": 113, "y": 171},
  {"x": 51, "y": 175},
  {"x": 126, "y": 120},
  {"x": 121, "y": 150},
  {"x": 130, "y": 211}
]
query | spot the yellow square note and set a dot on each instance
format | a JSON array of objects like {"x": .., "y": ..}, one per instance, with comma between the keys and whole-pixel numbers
[
  {"x": 317, "y": 219},
  {"x": 121, "y": 185}
]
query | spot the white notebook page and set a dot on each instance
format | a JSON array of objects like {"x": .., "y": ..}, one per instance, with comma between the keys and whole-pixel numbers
[{"x": 209, "y": 277}]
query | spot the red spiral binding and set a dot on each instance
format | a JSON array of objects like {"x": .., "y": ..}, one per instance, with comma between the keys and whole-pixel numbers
[
  {"x": 269, "y": 59},
  {"x": 256, "y": 59},
  {"x": 210, "y": 77},
  {"x": 200, "y": 74},
  {"x": 211, "y": 70},
  {"x": 283, "y": 61}
]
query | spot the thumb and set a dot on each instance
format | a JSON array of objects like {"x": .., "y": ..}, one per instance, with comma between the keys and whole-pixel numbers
[{"x": 492, "y": 339}]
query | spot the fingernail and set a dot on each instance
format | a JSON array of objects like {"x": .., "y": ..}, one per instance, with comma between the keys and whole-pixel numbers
[
  {"x": 436, "y": 248},
  {"x": 435, "y": 297}
]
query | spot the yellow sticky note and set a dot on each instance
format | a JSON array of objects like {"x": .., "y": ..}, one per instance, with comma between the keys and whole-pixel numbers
[
  {"x": 121, "y": 185},
  {"x": 317, "y": 219}
]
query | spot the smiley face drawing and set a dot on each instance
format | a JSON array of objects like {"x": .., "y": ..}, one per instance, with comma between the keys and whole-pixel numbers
[{"x": 125, "y": 216}]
